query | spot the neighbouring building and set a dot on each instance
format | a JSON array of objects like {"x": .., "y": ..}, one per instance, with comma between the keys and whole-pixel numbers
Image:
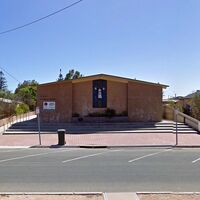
[
  {"x": 183, "y": 102},
  {"x": 87, "y": 96}
]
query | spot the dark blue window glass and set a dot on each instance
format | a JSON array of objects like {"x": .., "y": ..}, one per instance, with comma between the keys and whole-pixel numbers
[{"x": 99, "y": 93}]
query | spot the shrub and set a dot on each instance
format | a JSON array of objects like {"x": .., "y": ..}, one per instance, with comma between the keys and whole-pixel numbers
[
  {"x": 80, "y": 119},
  {"x": 176, "y": 105},
  {"x": 110, "y": 112},
  {"x": 96, "y": 114},
  {"x": 187, "y": 110},
  {"x": 196, "y": 107},
  {"x": 75, "y": 115},
  {"x": 124, "y": 113},
  {"x": 21, "y": 108}
]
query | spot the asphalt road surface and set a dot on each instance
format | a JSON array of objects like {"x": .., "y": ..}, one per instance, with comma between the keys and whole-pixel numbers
[{"x": 99, "y": 170}]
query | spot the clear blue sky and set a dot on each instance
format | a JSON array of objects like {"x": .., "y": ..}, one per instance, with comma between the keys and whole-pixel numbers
[{"x": 152, "y": 40}]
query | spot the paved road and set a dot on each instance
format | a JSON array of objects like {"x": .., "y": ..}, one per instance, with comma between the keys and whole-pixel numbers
[{"x": 99, "y": 170}]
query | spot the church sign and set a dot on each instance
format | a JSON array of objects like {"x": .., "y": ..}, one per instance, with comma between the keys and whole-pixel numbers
[{"x": 49, "y": 105}]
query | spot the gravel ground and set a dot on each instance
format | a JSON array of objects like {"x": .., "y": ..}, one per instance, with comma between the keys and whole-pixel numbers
[
  {"x": 51, "y": 197},
  {"x": 169, "y": 197}
]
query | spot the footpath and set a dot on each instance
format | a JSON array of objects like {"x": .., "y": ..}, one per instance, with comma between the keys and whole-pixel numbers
[
  {"x": 103, "y": 196},
  {"x": 103, "y": 139}
]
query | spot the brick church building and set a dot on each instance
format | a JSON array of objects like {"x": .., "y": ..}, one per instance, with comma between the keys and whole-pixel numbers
[{"x": 62, "y": 101}]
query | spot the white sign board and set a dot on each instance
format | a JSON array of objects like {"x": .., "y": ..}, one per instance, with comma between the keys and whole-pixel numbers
[
  {"x": 49, "y": 105},
  {"x": 37, "y": 111}
]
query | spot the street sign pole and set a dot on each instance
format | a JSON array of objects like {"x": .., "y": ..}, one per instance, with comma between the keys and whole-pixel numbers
[
  {"x": 38, "y": 117},
  {"x": 176, "y": 127}
]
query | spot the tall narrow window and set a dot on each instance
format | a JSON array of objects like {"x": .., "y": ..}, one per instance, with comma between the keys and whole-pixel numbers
[{"x": 99, "y": 93}]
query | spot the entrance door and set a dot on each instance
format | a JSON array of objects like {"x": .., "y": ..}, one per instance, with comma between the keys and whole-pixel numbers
[{"x": 99, "y": 93}]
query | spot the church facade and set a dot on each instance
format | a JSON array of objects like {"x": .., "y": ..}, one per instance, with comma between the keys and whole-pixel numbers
[{"x": 93, "y": 95}]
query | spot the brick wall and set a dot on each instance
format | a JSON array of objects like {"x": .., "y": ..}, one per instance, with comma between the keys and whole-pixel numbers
[
  {"x": 61, "y": 93},
  {"x": 82, "y": 97},
  {"x": 144, "y": 102},
  {"x": 117, "y": 96}
]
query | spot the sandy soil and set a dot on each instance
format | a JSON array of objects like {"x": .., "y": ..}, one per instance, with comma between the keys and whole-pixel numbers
[
  {"x": 168, "y": 197},
  {"x": 51, "y": 197}
]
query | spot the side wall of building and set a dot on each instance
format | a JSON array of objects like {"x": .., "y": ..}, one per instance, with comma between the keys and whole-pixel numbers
[
  {"x": 144, "y": 102},
  {"x": 61, "y": 94}
]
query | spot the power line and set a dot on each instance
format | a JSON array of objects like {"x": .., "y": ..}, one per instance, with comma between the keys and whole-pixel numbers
[
  {"x": 10, "y": 74},
  {"x": 40, "y": 19}
]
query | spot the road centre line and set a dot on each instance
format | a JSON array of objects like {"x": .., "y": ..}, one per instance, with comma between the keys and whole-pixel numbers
[
  {"x": 87, "y": 156},
  {"x": 33, "y": 155},
  {"x": 148, "y": 155}
]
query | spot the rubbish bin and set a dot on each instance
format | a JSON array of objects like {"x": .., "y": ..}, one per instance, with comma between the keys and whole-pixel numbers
[{"x": 61, "y": 136}]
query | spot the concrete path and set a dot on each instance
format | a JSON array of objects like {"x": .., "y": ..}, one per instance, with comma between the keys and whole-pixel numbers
[{"x": 120, "y": 196}]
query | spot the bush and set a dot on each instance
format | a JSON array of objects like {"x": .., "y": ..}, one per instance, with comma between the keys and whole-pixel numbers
[
  {"x": 124, "y": 113},
  {"x": 196, "y": 107},
  {"x": 176, "y": 106},
  {"x": 110, "y": 112},
  {"x": 107, "y": 113},
  {"x": 96, "y": 114},
  {"x": 21, "y": 108},
  {"x": 75, "y": 115},
  {"x": 187, "y": 110}
]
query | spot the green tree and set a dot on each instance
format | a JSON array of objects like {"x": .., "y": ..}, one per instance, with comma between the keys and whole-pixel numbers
[
  {"x": 26, "y": 83},
  {"x": 27, "y": 92},
  {"x": 72, "y": 74},
  {"x": 60, "y": 77},
  {"x": 3, "y": 82},
  {"x": 7, "y": 94},
  {"x": 196, "y": 106}
]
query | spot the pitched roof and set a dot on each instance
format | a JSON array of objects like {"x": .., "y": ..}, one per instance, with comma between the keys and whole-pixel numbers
[{"x": 108, "y": 77}]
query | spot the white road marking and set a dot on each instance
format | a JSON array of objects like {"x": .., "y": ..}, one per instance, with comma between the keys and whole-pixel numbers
[
  {"x": 32, "y": 155},
  {"x": 87, "y": 156},
  {"x": 148, "y": 155},
  {"x": 194, "y": 161}
]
